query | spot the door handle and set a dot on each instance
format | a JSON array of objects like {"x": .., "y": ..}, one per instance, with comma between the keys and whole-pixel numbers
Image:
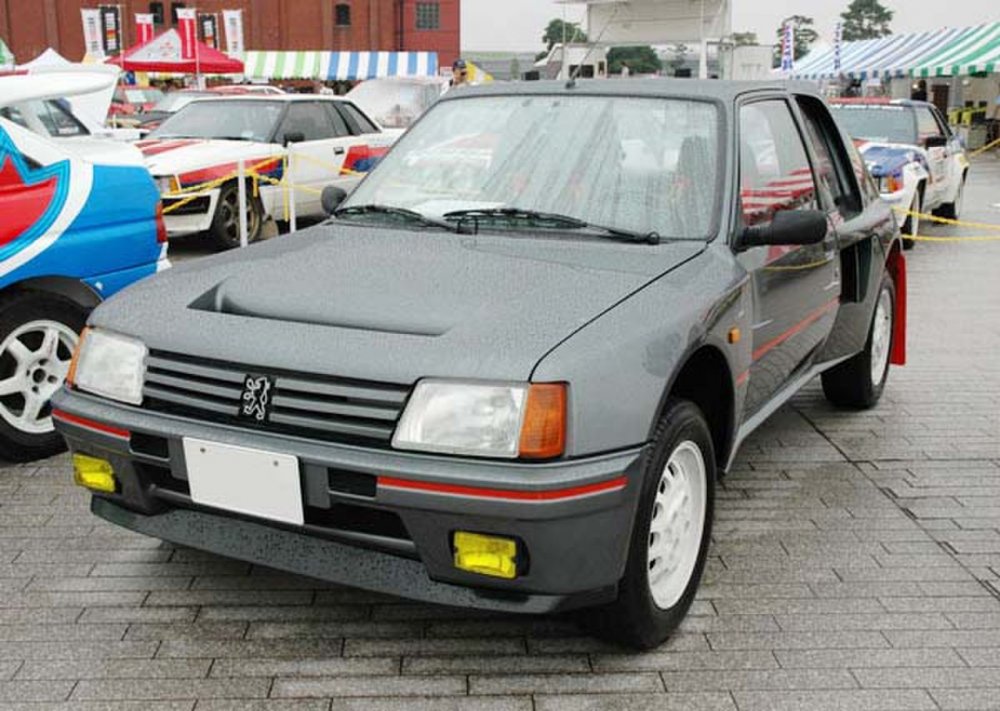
[{"x": 338, "y": 151}]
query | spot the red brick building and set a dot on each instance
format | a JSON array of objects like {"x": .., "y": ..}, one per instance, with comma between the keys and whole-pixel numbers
[{"x": 29, "y": 26}]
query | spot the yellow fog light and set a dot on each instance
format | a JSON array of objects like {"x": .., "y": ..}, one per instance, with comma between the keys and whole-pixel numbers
[
  {"x": 94, "y": 474},
  {"x": 486, "y": 555}
]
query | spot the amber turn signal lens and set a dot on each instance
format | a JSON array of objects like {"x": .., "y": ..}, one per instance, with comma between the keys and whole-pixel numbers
[
  {"x": 543, "y": 434},
  {"x": 71, "y": 374}
]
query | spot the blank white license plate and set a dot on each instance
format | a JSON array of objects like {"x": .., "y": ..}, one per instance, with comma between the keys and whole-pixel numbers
[{"x": 243, "y": 480}]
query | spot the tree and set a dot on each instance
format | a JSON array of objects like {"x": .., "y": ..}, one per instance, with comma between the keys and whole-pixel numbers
[
  {"x": 866, "y": 19},
  {"x": 805, "y": 35},
  {"x": 640, "y": 60},
  {"x": 744, "y": 39},
  {"x": 557, "y": 30}
]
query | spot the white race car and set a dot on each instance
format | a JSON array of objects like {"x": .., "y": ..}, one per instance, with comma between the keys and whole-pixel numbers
[
  {"x": 917, "y": 162},
  {"x": 320, "y": 140}
]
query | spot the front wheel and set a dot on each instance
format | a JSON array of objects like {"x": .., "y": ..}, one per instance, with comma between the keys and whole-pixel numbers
[
  {"x": 858, "y": 383},
  {"x": 225, "y": 229},
  {"x": 952, "y": 210},
  {"x": 38, "y": 333},
  {"x": 670, "y": 536},
  {"x": 911, "y": 228}
]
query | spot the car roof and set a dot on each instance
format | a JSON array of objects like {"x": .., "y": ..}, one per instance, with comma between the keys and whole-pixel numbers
[
  {"x": 288, "y": 98},
  {"x": 877, "y": 101},
  {"x": 717, "y": 89}
]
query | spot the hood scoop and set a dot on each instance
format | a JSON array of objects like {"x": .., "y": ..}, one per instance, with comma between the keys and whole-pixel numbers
[{"x": 231, "y": 299}]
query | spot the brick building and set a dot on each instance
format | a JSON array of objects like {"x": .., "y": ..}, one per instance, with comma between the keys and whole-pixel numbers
[{"x": 29, "y": 26}]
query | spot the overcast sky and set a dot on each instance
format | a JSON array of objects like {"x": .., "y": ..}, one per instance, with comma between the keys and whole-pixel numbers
[{"x": 519, "y": 24}]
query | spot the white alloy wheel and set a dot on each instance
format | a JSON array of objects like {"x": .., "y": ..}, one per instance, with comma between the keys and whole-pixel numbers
[
  {"x": 677, "y": 524},
  {"x": 881, "y": 337},
  {"x": 914, "y": 221},
  {"x": 36, "y": 356}
]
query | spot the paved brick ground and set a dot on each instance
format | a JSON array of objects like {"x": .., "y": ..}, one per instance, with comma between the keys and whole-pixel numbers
[{"x": 855, "y": 565}]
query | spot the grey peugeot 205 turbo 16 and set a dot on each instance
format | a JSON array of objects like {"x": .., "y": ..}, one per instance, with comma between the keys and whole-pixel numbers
[{"x": 509, "y": 369}]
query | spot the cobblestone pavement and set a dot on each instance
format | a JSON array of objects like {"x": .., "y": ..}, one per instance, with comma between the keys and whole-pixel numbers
[{"x": 855, "y": 565}]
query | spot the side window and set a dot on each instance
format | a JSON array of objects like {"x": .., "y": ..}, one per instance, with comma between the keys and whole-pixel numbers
[
  {"x": 340, "y": 127},
  {"x": 58, "y": 120},
  {"x": 927, "y": 125},
  {"x": 309, "y": 119},
  {"x": 832, "y": 170},
  {"x": 942, "y": 124},
  {"x": 358, "y": 122},
  {"x": 774, "y": 170}
]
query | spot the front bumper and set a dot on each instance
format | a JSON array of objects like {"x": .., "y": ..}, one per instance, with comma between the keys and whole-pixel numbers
[
  {"x": 377, "y": 519},
  {"x": 193, "y": 214}
]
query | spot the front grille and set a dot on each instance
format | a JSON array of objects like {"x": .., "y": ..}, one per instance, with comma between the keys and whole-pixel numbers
[{"x": 312, "y": 406}]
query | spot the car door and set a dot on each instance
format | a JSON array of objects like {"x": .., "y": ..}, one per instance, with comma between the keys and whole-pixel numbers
[
  {"x": 937, "y": 155},
  {"x": 318, "y": 141},
  {"x": 370, "y": 142},
  {"x": 795, "y": 287}
]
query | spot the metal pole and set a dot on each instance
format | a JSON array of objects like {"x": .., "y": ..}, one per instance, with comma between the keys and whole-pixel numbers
[
  {"x": 241, "y": 176},
  {"x": 292, "y": 212},
  {"x": 703, "y": 51}
]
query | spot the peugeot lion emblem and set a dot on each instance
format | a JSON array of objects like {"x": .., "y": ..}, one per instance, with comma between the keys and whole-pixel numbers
[{"x": 256, "y": 401}]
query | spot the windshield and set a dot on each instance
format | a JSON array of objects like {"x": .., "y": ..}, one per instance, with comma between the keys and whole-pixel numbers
[
  {"x": 885, "y": 124},
  {"x": 177, "y": 100},
  {"x": 142, "y": 96},
  {"x": 243, "y": 120},
  {"x": 641, "y": 165}
]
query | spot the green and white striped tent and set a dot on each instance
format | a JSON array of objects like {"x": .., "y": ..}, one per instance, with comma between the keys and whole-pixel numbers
[
  {"x": 978, "y": 51},
  {"x": 6, "y": 58},
  {"x": 338, "y": 65}
]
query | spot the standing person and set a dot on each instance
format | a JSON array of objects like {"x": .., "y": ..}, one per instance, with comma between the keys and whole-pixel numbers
[{"x": 459, "y": 73}]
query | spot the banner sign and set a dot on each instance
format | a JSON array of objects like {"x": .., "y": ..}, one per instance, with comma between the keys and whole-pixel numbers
[
  {"x": 93, "y": 40},
  {"x": 838, "y": 41},
  {"x": 187, "y": 28},
  {"x": 111, "y": 24},
  {"x": 788, "y": 48},
  {"x": 143, "y": 28},
  {"x": 233, "y": 20},
  {"x": 209, "y": 25}
]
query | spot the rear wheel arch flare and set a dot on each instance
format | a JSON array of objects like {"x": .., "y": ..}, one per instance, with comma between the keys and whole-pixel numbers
[{"x": 705, "y": 379}]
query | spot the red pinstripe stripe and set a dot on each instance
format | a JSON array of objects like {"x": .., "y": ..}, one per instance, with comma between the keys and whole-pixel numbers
[
  {"x": 90, "y": 424},
  {"x": 797, "y": 328},
  {"x": 572, "y": 492}
]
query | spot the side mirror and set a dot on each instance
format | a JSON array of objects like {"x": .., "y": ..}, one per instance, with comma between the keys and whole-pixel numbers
[
  {"x": 789, "y": 227},
  {"x": 331, "y": 198},
  {"x": 935, "y": 142},
  {"x": 294, "y": 137}
]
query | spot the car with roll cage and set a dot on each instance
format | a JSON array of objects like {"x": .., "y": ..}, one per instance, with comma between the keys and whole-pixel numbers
[
  {"x": 918, "y": 163},
  {"x": 509, "y": 370}
]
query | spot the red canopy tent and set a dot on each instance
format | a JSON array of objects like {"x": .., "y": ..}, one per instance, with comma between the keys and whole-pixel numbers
[{"x": 163, "y": 54}]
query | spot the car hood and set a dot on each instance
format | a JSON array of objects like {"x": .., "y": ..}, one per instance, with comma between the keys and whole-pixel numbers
[
  {"x": 388, "y": 305},
  {"x": 101, "y": 150},
  {"x": 887, "y": 158},
  {"x": 176, "y": 156}
]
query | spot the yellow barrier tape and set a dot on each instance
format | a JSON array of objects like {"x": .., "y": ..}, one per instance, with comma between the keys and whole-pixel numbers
[
  {"x": 945, "y": 220},
  {"x": 983, "y": 149}
]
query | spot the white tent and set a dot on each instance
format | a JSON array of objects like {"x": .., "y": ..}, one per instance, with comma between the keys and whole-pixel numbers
[
  {"x": 624, "y": 22},
  {"x": 48, "y": 58}
]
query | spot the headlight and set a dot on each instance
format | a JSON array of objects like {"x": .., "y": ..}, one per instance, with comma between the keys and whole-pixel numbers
[
  {"x": 503, "y": 420},
  {"x": 109, "y": 365},
  {"x": 167, "y": 186}
]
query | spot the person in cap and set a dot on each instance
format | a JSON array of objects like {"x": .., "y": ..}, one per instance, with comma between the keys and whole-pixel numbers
[{"x": 459, "y": 73}]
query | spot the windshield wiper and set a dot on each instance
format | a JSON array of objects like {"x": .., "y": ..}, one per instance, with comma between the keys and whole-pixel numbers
[
  {"x": 556, "y": 220},
  {"x": 403, "y": 212}
]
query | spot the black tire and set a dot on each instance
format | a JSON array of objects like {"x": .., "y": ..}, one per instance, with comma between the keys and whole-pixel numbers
[
  {"x": 225, "y": 229},
  {"x": 635, "y": 620},
  {"x": 952, "y": 210},
  {"x": 852, "y": 384},
  {"x": 19, "y": 310},
  {"x": 912, "y": 225}
]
